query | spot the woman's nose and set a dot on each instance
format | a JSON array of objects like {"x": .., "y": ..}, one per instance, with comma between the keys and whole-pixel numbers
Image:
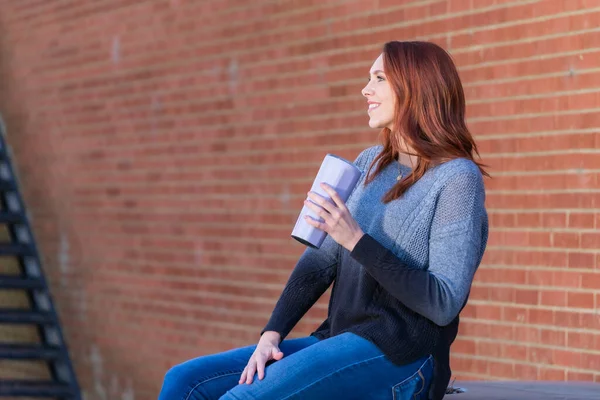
[{"x": 366, "y": 91}]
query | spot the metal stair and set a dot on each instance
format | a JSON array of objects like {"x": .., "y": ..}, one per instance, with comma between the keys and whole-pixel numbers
[{"x": 41, "y": 314}]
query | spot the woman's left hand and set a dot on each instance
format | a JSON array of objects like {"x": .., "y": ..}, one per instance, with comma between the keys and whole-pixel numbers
[{"x": 339, "y": 224}]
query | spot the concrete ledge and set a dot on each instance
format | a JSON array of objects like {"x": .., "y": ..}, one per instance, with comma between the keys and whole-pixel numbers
[{"x": 540, "y": 390}]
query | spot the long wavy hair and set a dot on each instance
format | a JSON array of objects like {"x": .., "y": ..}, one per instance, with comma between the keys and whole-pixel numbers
[{"x": 430, "y": 112}]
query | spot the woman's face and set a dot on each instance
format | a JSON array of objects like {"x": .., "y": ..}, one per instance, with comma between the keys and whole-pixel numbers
[{"x": 380, "y": 97}]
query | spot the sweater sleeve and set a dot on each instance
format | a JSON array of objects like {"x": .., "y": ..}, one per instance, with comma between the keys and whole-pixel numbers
[
  {"x": 313, "y": 274},
  {"x": 458, "y": 233}
]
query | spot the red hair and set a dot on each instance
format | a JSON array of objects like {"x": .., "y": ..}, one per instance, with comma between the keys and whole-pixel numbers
[{"x": 429, "y": 115}]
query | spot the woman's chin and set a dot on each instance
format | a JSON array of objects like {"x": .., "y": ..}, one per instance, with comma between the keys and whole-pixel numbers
[{"x": 376, "y": 124}]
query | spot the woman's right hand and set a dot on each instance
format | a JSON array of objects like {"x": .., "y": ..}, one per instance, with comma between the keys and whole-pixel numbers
[{"x": 266, "y": 350}]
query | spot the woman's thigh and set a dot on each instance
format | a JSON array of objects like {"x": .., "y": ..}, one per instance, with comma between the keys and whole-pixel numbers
[
  {"x": 209, "y": 377},
  {"x": 346, "y": 366}
]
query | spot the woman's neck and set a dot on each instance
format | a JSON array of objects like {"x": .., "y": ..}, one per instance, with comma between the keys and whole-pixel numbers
[{"x": 408, "y": 160}]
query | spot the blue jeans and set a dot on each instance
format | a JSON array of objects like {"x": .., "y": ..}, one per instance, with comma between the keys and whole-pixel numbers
[{"x": 345, "y": 366}]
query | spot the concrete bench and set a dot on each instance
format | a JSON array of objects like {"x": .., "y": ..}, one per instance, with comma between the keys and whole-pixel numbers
[{"x": 539, "y": 390}]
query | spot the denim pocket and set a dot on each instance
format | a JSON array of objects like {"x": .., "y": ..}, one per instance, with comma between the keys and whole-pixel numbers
[{"x": 416, "y": 386}]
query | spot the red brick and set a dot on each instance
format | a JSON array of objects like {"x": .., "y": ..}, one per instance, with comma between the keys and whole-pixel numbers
[
  {"x": 590, "y": 361},
  {"x": 529, "y": 219},
  {"x": 488, "y": 349},
  {"x": 526, "y": 334},
  {"x": 475, "y": 328},
  {"x": 497, "y": 275},
  {"x": 590, "y": 240},
  {"x": 558, "y": 278},
  {"x": 515, "y": 314},
  {"x": 580, "y": 376},
  {"x": 523, "y": 296},
  {"x": 515, "y": 352},
  {"x": 464, "y": 346},
  {"x": 581, "y": 220},
  {"x": 479, "y": 293},
  {"x": 581, "y": 260},
  {"x": 565, "y": 239},
  {"x": 507, "y": 220},
  {"x": 566, "y": 279},
  {"x": 539, "y": 258},
  {"x": 553, "y": 337},
  {"x": 467, "y": 364},
  {"x": 580, "y": 300},
  {"x": 553, "y": 298},
  {"x": 540, "y": 355},
  {"x": 502, "y": 294},
  {"x": 526, "y": 372},
  {"x": 553, "y": 220},
  {"x": 513, "y": 238},
  {"x": 540, "y": 317},
  {"x": 583, "y": 340},
  {"x": 503, "y": 332},
  {"x": 567, "y": 358},
  {"x": 549, "y": 374},
  {"x": 502, "y": 369},
  {"x": 486, "y": 312},
  {"x": 590, "y": 280}
]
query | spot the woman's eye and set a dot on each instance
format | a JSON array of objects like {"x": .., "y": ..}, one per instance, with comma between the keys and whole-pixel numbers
[{"x": 379, "y": 79}]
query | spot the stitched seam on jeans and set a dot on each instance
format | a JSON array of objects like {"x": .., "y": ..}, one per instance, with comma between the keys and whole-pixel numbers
[
  {"x": 328, "y": 375},
  {"x": 422, "y": 384},
  {"x": 208, "y": 380},
  {"x": 410, "y": 377}
]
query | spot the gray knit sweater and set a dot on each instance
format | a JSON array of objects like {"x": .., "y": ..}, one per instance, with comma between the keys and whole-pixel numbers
[{"x": 405, "y": 282}]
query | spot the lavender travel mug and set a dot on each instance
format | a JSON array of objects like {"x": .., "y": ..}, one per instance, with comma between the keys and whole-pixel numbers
[{"x": 342, "y": 176}]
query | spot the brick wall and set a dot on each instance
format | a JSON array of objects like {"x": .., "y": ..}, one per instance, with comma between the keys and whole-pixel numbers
[{"x": 165, "y": 148}]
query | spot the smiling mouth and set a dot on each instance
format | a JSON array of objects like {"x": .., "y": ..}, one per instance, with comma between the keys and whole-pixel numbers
[{"x": 372, "y": 107}]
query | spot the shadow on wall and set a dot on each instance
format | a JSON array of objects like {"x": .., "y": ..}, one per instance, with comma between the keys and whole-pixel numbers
[
  {"x": 62, "y": 250},
  {"x": 13, "y": 117}
]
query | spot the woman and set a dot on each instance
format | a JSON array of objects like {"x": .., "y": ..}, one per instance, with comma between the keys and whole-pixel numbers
[{"x": 402, "y": 251}]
